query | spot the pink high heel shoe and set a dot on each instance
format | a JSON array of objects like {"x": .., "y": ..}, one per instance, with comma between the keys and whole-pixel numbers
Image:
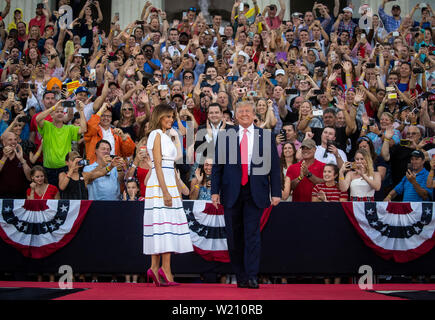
[
  {"x": 150, "y": 274},
  {"x": 166, "y": 282}
]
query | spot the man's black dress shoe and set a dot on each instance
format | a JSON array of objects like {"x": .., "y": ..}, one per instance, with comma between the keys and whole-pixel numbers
[
  {"x": 242, "y": 284},
  {"x": 253, "y": 284}
]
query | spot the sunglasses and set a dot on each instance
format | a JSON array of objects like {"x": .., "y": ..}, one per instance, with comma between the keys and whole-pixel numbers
[
  {"x": 192, "y": 9},
  {"x": 157, "y": 75},
  {"x": 125, "y": 109},
  {"x": 188, "y": 77}
]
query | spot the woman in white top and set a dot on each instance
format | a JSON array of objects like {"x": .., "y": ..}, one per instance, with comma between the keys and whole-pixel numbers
[{"x": 360, "y": 177}]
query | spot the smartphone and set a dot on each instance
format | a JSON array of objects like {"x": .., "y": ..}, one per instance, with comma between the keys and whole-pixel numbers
[
  {"x": 32, "y": 86},
  {"x": 162, "y": 87},
  {"x": 318, "y": 113},
  {"x": 84, "y": 50},
  {"x": 229, "y": 42},
  {"x": 405, "y": 142},
  {"x": 423, "y": 5},
  {"x": 417, "y": 70},
  {"x": 415, "y": 29},
  {"x": 241, "y": 7},
  {"x": 139, "y": 22},
  {"x": 392, "y": 96},
  {"x": 309, "y": 44},
  {"x": 283, "y": 133},
  {"x": 390, "y": 89},
  {"x": 395, "y": 34},
  {"x": 252, "y": 93},
  {"x": 69, "y": 104},
  {"x": 24, "y": 85},
  {"x": 184, "y": 107},
  {"x": 415, "y": 111},
  {"x": 11, "y": 96},
  {"x": 291, "y": 91},
  {"x": 233, "y": 78},
  {"x": 207, "y": 77},
  {"x": 363, "y": 35},
  {"x": 319, "y": 91},
  {"x": 184, "y": 14},
  {"x": 117, "y": 14},
  {"x": 370, "y": 65},
  {"x": 92, "y": 75}
]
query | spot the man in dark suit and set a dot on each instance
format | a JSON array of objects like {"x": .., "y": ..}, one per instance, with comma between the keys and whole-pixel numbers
[
  {"x": 245, "y": 174},
  {"x": 206, "y": 135}
]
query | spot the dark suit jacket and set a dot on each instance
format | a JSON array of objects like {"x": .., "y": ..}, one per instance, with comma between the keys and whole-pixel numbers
[{"x": 226, "y": 177}]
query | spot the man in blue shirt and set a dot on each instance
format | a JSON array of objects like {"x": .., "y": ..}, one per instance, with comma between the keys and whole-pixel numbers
[
  {"x": 413, "y": 185},
  {"x": 392, "y": 23},
  {"x": 150, "y": 63},
  {"x": 106, "y": 187}
]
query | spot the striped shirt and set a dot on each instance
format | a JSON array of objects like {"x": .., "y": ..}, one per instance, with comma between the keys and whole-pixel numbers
[{"x": 333, "y": 194}]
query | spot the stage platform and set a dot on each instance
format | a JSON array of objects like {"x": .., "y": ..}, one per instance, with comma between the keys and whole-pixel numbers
[{"x": 13, "y": 290}]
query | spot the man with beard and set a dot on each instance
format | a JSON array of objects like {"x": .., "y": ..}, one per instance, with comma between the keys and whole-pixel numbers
[{"x": 392, "y": 23}]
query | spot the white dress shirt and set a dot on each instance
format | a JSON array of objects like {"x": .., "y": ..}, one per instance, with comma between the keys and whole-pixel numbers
[
  {"x": 250, "y": 136},
  {"x": 214, "y": 131}
]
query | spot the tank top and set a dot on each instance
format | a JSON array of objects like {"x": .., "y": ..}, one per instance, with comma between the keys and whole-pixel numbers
[
  {"x": 360, "y": 188},
  {"x": 75, "y": 190}
]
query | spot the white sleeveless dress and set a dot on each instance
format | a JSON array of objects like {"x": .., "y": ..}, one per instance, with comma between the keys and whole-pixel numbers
[{"x": 165, "y": 228}]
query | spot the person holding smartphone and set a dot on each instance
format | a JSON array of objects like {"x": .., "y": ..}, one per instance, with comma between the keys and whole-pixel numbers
[{"x": 57, "y": 138}]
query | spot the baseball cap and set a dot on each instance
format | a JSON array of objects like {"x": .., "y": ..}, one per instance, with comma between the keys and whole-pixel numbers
[
  {"x": 403, "y": 108},
  {"x": 309, "y": 143},
  {"x": 279, "y": 71},
  {"x": 417, "y": 154},
  {"x": 81, "y": 89},
  {"x": 40, "y": 6},
  {"x": 319, "y": 64},
  {"x": 396, "y": 6},
  {"x": 349, "y": 9}
]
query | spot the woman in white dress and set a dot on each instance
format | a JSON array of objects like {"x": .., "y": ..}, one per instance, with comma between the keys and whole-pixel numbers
[
  {"x": 360, "y": 177},
  {"x": 165, "y": 224}
]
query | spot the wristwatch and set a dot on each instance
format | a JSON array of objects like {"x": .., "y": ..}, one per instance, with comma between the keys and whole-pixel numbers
[{"x": 309, "y": 175}]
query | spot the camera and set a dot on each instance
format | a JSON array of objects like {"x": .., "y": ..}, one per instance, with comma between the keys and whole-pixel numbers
[
  {"x": 68, "y": 104},
  {"x": 83, "y": 163},
  {"x": 417, "y": 70},
  {"x": 291, "y": 91},
  {"x": 207, "y": 77},
  {"x": 24, "y": 119}
]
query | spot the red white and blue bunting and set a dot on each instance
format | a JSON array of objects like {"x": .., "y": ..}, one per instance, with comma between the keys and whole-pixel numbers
[
  {"x": 37, "y": 228},
  {"x": 398, "y": 231}
]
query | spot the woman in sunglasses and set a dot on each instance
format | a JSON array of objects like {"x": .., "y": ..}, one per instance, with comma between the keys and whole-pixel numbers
[
  {"x": 127, "y": 121},
  {"x": 188, "y": 83}
]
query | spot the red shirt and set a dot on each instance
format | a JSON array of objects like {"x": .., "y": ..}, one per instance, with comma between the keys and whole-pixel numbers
[
  {"x": 40, "y": 24},
  {"x": 141, "y": 175},
  {"x": 50, "y": 193},
  {"x": 304, "y": 189},
  {"x": 333, "y": 193}
]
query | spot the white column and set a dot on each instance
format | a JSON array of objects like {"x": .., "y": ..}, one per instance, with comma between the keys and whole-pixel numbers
[{"x": 130, "y": 10}]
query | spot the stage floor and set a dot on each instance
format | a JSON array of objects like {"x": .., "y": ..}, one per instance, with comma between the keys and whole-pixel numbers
[{"x": 146, "y": 291}]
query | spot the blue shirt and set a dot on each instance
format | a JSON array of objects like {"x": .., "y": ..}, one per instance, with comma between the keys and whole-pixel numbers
[
  {"x": 407, "y": 189},
  {"x": 103, "y": 188},
  {"x": 390, "y": 23},
  {"x": 147, "y": 68}
]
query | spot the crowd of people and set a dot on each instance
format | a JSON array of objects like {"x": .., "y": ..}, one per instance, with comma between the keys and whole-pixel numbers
[{"x": 349, "y": 94}]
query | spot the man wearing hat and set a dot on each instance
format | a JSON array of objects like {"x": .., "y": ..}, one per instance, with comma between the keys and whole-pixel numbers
[
  {"x": 391, "y": 23},
  {"x": 273, "y": 19},
  {"x": 413, "y": 185},
  {"x": 305, "y": 174},
  {"x": 280, "y": 78},
  {"x": 82, "y": 94},
  {"x": 344, "y": 22},
  {"x": 40, "y": 18}
]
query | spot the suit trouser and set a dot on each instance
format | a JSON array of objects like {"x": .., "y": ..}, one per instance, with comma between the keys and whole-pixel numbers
[{"x": 242, "y": 223}]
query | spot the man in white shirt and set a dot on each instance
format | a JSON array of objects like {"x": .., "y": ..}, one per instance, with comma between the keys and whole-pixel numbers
[{"x": 327, "y": 152}]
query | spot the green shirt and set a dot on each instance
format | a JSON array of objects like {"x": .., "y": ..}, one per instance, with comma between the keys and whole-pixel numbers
[{"x": 57, "y": 143}]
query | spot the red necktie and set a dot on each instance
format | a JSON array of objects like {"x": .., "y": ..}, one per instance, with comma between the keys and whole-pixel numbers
[{"x": 244, "y": 157}]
